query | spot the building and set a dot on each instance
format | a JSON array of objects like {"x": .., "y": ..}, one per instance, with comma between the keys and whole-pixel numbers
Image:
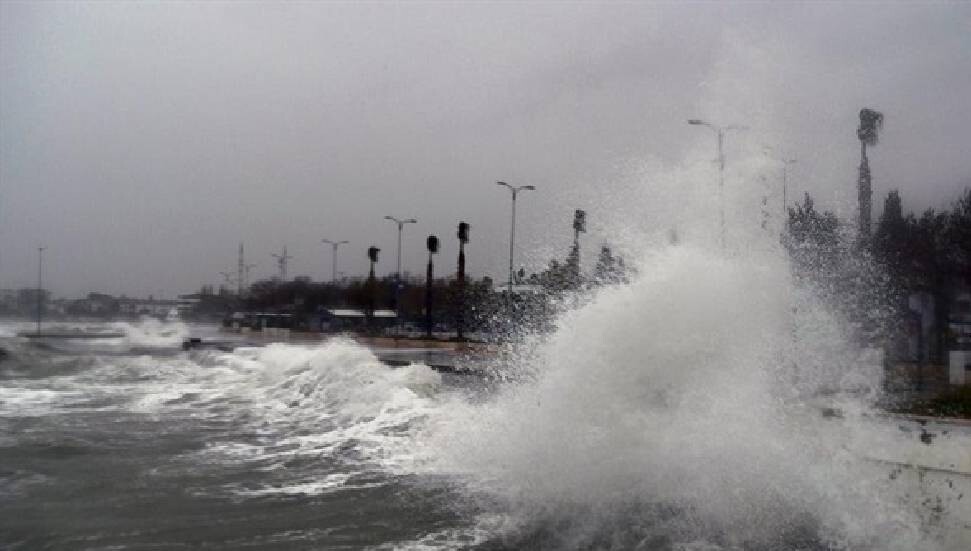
[
  {"x": 959, "y": 340},
  {"x": 354, "y": 319}
]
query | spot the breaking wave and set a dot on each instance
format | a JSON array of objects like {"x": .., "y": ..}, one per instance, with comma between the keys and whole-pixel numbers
[{"x": 683, "y": 411}]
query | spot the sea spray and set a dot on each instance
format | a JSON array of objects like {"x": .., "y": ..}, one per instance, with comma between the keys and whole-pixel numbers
[
  {"x": 150, "y": 332},
  {"x": 684, "y": 408},
  {"x": 332, "y": 401}
]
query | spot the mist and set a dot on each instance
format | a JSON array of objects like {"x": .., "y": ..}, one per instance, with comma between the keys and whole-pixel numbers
[{"x": 142, "y": 142}]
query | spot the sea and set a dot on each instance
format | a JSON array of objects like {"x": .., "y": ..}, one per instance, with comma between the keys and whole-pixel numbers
[{"x": 692, "y": 409}]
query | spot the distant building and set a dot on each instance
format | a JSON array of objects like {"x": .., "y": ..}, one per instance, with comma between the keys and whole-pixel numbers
[
  {"x": 162, "y": 308},
  {"x": 959, "y": 339},
  {"x": 8, "y": 301},
  {"x": 95, "y": 304},
  {"x": 350, "y": 319}
]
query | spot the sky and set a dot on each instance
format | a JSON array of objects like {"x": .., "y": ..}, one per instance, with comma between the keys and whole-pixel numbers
[{"x": 141, "y": 142}]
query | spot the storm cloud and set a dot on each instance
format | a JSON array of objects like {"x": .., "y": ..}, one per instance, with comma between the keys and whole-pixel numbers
[{"x": 141, "y": 142}]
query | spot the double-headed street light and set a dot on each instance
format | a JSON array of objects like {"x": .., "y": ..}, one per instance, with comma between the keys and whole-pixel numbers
[
  {"x": 333, "y": 258},
  {"x": 512, "y": 232},
  {"x": 720, "y": 131},
  {"x": 397, "y": 286}
]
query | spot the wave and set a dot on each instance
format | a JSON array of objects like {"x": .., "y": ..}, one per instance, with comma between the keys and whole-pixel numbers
[
  {"x": 683, "y": 410},
  {"x": 153, "y": 333}
]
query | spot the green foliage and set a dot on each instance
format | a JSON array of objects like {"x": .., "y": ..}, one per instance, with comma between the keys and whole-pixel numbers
[{"x": 870, "y": 124}]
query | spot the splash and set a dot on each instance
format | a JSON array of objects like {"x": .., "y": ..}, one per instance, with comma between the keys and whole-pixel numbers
[
  {"x": 683, "y": 410},
  {"x": 152, "y": 333},
  {"x": 311, "y": 406}
]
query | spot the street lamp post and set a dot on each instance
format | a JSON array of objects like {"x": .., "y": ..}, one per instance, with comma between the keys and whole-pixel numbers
[
  {"x": 333, "y": 258},
  {"x": 786, "y": 163},
  {"x": 397, "y": 277},
  {"x": 512, "y": 231},
  {"x": 720, "y": 132},
  {"x": 40, "y": 286}
]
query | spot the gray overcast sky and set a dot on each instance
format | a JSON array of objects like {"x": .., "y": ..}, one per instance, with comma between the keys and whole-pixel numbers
[{"x": 140, "y": 142}]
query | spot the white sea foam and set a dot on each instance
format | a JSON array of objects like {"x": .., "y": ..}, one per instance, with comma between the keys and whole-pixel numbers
[
  {"x": 153, "y": 333},
  {"x": 686, "y": 401},
  {"x": 332, "y": 400}
]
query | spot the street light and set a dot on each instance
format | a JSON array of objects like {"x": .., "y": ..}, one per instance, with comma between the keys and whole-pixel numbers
[
  {"x": 333, "y": 258},
  {"x": 397, "y": 277},
  {"x": 40, "y": 286},
  {"x": 786, "y": 163},
  {"x": 512, "y": 232},
  {"x": 720, "y": 131},
  {"x": 281, "y": 261}
]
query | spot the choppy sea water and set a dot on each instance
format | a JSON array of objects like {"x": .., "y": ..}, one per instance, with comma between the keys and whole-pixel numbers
[{"x": 653, "y": 418}]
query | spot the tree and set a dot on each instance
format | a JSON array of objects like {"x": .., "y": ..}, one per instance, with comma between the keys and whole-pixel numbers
[
  {"x": 868, "y": 132},
  {"x": 610, "y": 269}
]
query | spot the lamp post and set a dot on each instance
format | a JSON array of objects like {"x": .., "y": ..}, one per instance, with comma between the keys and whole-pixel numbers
[
  {"x": 333, "y": 258},
  {"x": 786, "y": 163},
  {"x": 720, "y": 132},
  {"x": 512, "y": 231},
  {"x": 397, "y": 276},
  {"x": 40, "y": 286}
]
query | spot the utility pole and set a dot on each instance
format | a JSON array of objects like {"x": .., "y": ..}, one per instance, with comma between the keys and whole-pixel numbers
[
  {"x": 463, "y": 236},
  {"x": 512, "y": 230},
  {"x": 720, "y": 131},
  {"x": 40, "y": 286},
  {"x": 281, "y": 261},
  {"x": 333, "y": 258}
]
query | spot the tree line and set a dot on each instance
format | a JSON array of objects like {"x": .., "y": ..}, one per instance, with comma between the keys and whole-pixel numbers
[
  {"x": 871, "y": 280},
  {"x": 481, "y": 304}
]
